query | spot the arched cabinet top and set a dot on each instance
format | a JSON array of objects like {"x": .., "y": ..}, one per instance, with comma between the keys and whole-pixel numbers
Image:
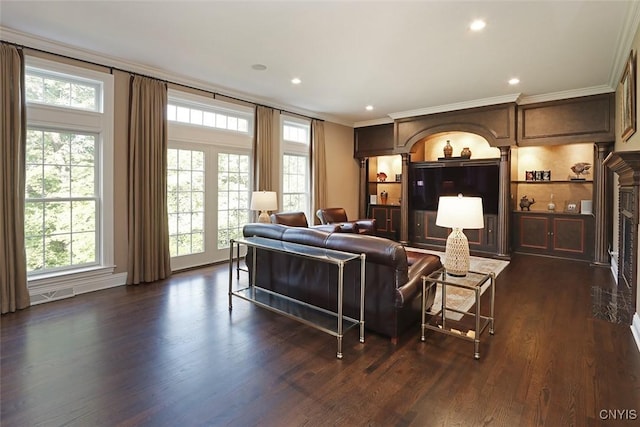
[{"x": 495, "y": 123}]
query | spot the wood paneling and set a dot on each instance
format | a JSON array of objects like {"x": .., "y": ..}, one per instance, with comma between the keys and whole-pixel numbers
[{"x": 582, "y": 119}]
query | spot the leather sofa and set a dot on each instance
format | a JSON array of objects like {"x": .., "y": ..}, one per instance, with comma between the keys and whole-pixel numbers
[
  {"x": 299, "y": 219},
  {"x": 393, "y": 289},
  {"x": 339, "y": 216}
]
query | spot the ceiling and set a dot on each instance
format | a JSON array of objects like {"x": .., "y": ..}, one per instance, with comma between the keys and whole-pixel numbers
[{"x": 402, "y": 57}]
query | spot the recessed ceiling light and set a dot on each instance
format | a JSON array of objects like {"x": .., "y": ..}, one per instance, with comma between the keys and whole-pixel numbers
[
  {"x": 477, "y": 25},
  {"x": 369, "y": 107},
  {"x": 514, "y": 81},
  {"x": 296, "y": 81},
  {"x": 259, "y": 67}
]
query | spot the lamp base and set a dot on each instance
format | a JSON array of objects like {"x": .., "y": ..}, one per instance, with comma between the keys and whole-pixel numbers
[
  {"x": 456, "y": 260},
  {"x": 264, "y": 217}
]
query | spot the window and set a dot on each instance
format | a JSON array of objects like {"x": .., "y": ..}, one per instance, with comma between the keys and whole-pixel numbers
[
  {"x": 209, "y": 178},
  {"x": 207, "y": 116},
  {"x": 295, "y": 166},
  {"x": 185, "y": 201},
  {"x": 68, "y": 227},
  {"x": 61, "y": 216}
]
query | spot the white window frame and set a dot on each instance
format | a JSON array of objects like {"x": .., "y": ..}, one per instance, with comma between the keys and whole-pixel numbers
[
  {"x": 213, "y": 141},
  {"x": 296, "y": 149},
  {"x": 59, "y": 284}
]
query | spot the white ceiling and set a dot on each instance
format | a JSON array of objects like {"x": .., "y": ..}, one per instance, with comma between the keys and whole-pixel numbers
[{"x": 402, "y": 57}]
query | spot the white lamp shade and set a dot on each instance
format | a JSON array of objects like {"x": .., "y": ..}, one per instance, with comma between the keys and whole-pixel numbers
[
  {"x": 264, "y": 201},
  {"x": 460, "y": 212}
]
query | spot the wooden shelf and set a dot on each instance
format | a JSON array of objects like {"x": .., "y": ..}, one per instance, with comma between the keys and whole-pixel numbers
[{"x": 564, "y": 181}]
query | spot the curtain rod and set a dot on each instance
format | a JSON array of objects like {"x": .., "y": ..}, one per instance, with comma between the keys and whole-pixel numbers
[{"x": 111, "y": 68}]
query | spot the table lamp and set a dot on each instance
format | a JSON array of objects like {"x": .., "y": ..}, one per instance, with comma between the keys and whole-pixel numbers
[
  {"x": 264, "y": 201},
  {"x": 457, "y": 213}
]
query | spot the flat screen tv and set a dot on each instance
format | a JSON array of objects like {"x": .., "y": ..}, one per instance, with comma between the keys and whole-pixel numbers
[{"x": 429, "y": 183}]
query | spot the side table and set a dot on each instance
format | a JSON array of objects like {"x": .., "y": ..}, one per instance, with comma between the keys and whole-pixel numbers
[{"x": 438, "y": 321}]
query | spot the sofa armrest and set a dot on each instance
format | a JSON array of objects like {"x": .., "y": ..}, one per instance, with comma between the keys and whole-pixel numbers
[
  {"x": 422, "y": 267},
  {"x": 329, "y": 228},
  {"x": 347, "y": 227},
  {"x": 366, "y": 225}
]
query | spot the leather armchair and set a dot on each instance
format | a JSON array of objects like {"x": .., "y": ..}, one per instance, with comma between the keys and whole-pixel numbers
[
  {"x": 339, "y": 216},
  {"x": 299, "y": 219}
]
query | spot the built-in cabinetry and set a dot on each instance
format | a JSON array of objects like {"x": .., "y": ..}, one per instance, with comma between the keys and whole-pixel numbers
[
  {"x": 560, "y": 133},
  {"x": 425, "y": 233},
  {"x": 560, "y": 235},
  {"x": 387, "y": 221},
  {"x": 384, "y": 194}
]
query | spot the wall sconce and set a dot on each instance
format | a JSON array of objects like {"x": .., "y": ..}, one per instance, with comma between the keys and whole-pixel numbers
[{"x": 264, "y": 201}]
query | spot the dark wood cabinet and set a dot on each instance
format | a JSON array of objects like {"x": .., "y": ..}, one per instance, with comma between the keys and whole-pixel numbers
[
  {"x": 424, "y": 232},
  {"x": 582, "y": 119},
  {"x": 373, "y": 140},
  {"x": 387, "y": 220},
  {"x": 559, "y": 235}
]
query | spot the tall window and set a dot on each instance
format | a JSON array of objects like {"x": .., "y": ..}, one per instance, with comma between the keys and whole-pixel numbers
[
  {"x": 295, "y": 166},
  {"x": 68, "y": 168},
  {"x": 209, "y": 177},
  {"x": 185, "y": 201}
]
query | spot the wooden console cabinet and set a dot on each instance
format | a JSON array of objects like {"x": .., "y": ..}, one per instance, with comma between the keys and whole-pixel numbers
[
  {"x": 387, "y": 221},
  {"x": 555, "y": 234},
  {"x": 425, "y": 233}
]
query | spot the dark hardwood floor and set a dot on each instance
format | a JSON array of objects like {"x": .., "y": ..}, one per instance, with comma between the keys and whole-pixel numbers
[{"x": 171, "y": 354}]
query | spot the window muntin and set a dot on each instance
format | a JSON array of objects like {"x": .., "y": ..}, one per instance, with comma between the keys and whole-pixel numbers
[
  {"x": 294, "y": 132},
  {"x": 61, "y": 200},
  {"x": 295, "y": 188},
  {"x": 233, "y": 196},
  {"x": 185, "y": 201},
  {"x": 207, "y": 117},
  {"x": 50, "y": 88}
]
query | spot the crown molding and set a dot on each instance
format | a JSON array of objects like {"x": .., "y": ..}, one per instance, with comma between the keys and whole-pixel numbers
[
  {"x": 625, "y": 43},
  {"x": 73, "y": 52},
  {"x": 566, "y": 94},
  {"x": 457, "y": 106},
  {"x": 373, "y": 122}
]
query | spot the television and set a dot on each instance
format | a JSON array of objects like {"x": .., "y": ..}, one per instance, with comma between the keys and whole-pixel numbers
[{"x": 428, "y": 183}]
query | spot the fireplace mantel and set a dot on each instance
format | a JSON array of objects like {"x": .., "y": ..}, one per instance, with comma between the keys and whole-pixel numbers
[{"x": 627, "y": 165}]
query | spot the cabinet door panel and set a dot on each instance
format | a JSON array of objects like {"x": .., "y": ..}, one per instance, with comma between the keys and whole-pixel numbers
[
  {"x": 534, "y": 232},
  {"x": 568, "y": 235},
  {"x": 381, "y": 215}
]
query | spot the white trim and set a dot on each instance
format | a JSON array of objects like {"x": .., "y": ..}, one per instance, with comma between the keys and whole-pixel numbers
[
  {"x": 635, "y": 329},
  {"x": 566, "y": 94},
  {"x": 381, "y": 121},
  {"x": 457, "y": 106},
  {"x": 53, "y": 288},
  {"x": 624, "y": 43},
  {"x": 100, "y": 123}
]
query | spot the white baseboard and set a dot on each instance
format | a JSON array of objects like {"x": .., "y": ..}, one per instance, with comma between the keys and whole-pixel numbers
[
  {"x": 62, "y": 289},
  {"x": 635, "y": 329}
]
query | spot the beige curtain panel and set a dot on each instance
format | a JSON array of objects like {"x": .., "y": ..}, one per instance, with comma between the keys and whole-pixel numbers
[
  {"x": 318, "y": 168},
  {"x": 13, "y": 264},
  {"x": 264, "y": 149},
  {"x": 149, "y": 257}
]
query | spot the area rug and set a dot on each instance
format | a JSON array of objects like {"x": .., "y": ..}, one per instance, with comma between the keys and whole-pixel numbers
[{"x": 463, "y": 299}]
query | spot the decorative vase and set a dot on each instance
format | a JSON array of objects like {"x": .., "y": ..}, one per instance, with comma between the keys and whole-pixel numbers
[
  {"x": 551, "y": 205},
  {"x": 384, "y": 196},
  {"x": 466, "y": 153},
  {"x": 448, "y": 149}
]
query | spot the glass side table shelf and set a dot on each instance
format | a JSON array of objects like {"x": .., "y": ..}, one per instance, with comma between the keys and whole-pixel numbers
[
  {"x": 332, "y": 323},
  {"x": 453, "y": 321}
]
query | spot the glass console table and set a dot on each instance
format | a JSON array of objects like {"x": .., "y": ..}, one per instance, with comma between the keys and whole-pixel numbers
[
  {"x": 333, "y": 323},
  {"x": 440, "y": 322}
]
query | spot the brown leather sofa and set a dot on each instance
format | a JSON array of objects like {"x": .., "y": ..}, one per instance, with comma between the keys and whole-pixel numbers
[
  {"x": 393, "y": 289},
  {"x": 299, "y": 219},
  {"x": 339, "y": 216}
]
